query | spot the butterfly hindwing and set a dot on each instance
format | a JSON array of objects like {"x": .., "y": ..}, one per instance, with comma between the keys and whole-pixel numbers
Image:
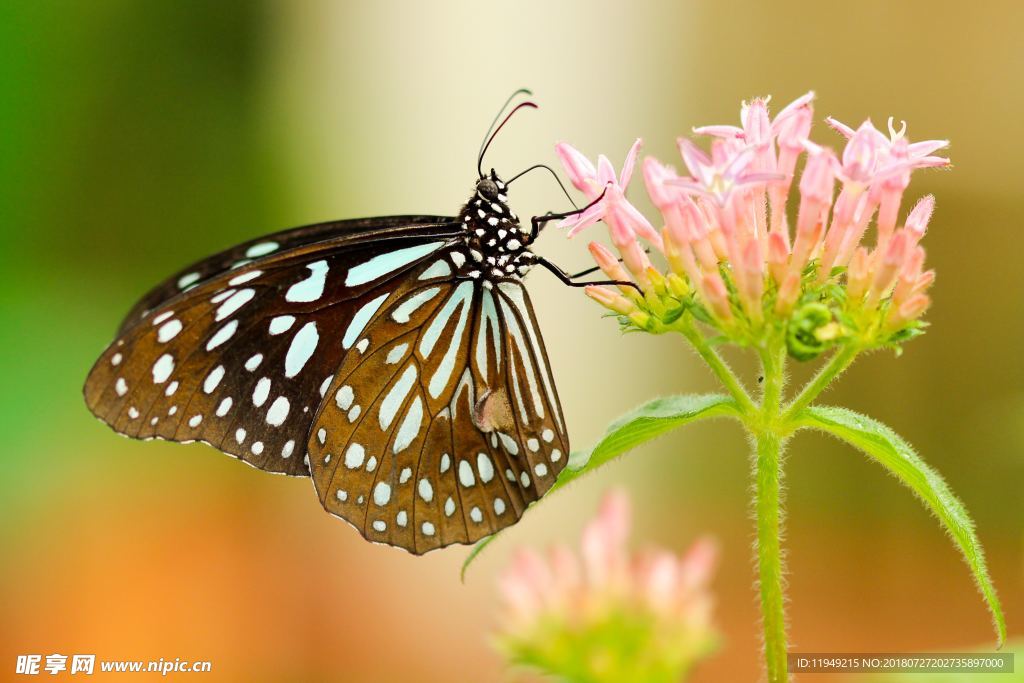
[
  {"x": 457, "y": 427},
  {"x": 243, "y": 359}
]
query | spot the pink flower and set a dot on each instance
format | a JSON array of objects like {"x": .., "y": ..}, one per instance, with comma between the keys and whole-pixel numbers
[
  {"x": 719, "y": 175},
  {"x": 559, "y": 598},
  {"x": 727, "y": 238},
  {"x": 613, "y": 207},
  {"x": 916, "y": 155}
]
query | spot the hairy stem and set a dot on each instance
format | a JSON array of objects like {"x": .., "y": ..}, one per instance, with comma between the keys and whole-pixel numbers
[
  {"x": 718, "y": 366},
  {"x": 769, "y": 555},
  {"x": 768, "y": 476},
  {"x": 836, "y": 365}
]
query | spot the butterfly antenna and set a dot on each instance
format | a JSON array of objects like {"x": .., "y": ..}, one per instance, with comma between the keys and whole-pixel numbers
[
  {"x": 487, "y": 135},
  {"x": 553, "y": 175},
  {"x": 483, "y": 150}
]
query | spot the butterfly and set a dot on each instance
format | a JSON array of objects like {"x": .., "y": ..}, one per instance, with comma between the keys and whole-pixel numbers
[{"x": 397, "y": 361}]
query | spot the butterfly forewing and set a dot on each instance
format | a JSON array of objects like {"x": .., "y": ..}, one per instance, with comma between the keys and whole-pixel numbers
[
  {"x": 243, "y": 359},
  {"x": 276, "y": 243},
  {"x": 456, "y": 426}
]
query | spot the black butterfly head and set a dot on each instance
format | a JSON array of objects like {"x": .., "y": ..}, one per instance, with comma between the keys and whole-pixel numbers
[{"x": 491, "y": 187}]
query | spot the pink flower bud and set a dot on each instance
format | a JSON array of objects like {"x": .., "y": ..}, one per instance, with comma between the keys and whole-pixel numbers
[
  {"x": 717, "y": 296},
  {"x": 924, "y": 282},
  {"x": 792, "y": 125},
  {"x": 910, "y": 310},
  {"x": 678, "y": 253},
  {"x": 789, "y": 291},
  {"x": 818, "y": 180},
  {"x": 611, "y": 267},
  {"x": 885, "y": 272},
  {"x": 858, "y": 274},
  {"x": 778, "y": 256},
  {"x": 920, "y": 215},
  {"x": 908, "y": 276},
  {"x": 655, "y": 174},
  {"x": 751, "y": 283},
  {"x": 861, "y": 154},
  {"x": 581, "y": 172}
]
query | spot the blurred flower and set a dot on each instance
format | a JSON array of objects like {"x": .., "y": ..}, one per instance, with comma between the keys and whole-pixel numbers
[
  {"x": 738, "y": 264},
  {"x": 609, "y": 615}
]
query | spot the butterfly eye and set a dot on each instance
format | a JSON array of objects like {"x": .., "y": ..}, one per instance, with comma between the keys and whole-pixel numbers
[{"x": 488, "y": 188}]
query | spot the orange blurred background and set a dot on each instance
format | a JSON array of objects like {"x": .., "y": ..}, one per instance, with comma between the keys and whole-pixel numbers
[{"x": 140, "y": 136}]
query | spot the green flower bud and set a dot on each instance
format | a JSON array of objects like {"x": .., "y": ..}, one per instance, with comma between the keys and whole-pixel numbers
[{"x": 811, "y": 331}]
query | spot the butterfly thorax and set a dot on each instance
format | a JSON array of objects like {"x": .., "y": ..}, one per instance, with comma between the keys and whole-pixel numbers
[{"x": 496, "y": 245}]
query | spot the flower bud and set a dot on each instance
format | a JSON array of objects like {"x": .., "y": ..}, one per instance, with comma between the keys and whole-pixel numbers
[{"x": 810, "y": 332}]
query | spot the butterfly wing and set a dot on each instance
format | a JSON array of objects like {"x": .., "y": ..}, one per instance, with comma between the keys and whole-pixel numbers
[
  {"x": 449, "y": 425},
  {"x": 275, "y": 243},
  {"x": 242, "y": 359}
]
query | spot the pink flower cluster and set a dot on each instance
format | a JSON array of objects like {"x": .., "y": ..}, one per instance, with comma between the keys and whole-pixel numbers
[
  {"x": 559, "y": 588},
  {"x": 733, "y": 208}
]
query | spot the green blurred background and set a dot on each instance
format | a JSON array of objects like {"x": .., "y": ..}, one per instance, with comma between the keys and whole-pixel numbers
[{"x": 138, "y": 136}]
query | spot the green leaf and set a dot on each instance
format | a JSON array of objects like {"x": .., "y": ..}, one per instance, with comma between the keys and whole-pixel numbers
[
  {"x": 646, "y": 422},
  {"x": 896, "y": 455}
]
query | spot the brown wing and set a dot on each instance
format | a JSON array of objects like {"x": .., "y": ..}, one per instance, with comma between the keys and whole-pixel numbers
[
  {"x": 276, "y": 243},
  {"x": 449, "y": 425},
  {"x": 242, "y": 360}
]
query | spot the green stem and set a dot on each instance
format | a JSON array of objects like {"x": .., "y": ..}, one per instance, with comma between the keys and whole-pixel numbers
[
  {"x": 838, "y": 363},
  {"x": 769, "y": 556},
  {"x": 718, "y": 366}
]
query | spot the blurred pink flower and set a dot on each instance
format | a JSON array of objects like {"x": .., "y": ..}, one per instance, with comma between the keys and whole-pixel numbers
[{"x": 560, "y": 608}]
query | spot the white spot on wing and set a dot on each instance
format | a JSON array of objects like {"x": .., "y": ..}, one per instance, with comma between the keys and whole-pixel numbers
[
  {"x": 261, "y": 392},
  {"x": 187, "y": 280},
  {"x": 466, "y": 477},
  {"x": 396, "y": 354},
  {"x": 162, "y": 368},
  {"x": 485, "y": 467},
  {"x": 245, "y": 277},
  {"x": 224, "y": 407},
  {"x": 312, "y": 288},
  {"x": 410, "y": 426},
  {"x": 222, "y": 335},
  {"x": 360, "y": 320},
  {"x": 281, "y": 323},
  {"x": 234, "y": 302},
  {"x": 396, "y": 397},
  {"x": 344, "y": 397},
  {"x": 261, "y": 249},
  {"x": 437, "y": 269},
  {"x": 213, "y": 379},
  {"x": 404, "y": 311},
  {"x": 301, "y": 349},
  {"x": 426, "y": 491},
  {"x": 168, "y": 331},
  {"x": 388, "y": 262},
  {"x": 382, "y": 494},
  {"x": 354, "y": 456}
]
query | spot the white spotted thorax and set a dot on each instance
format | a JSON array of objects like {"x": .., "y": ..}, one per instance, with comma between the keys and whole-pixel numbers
[{"x": 496, "y": 245}]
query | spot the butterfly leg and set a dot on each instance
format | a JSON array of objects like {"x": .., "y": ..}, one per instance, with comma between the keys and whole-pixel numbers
[
  {"x": 570, "y": 279},
  {"x": 594, "y": 269},
  {"x": 537, "y": 223}
]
